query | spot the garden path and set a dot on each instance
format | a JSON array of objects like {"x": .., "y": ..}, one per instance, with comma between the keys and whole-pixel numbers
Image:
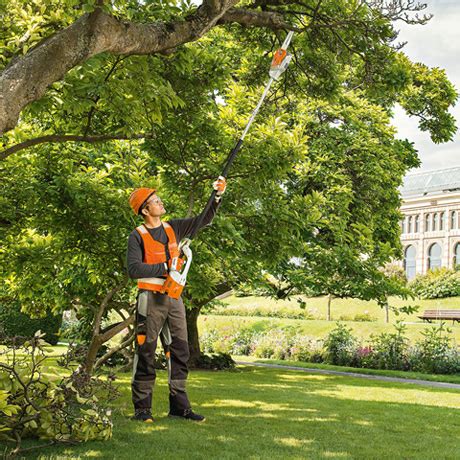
[{"x": 356, "y": 374}]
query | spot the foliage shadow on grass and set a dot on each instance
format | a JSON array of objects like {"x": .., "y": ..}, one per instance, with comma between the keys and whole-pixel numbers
[{"x": 258, "y": 413}]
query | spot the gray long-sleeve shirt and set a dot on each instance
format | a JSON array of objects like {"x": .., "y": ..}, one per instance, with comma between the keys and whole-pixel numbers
[{"x": 182, "y": 228}]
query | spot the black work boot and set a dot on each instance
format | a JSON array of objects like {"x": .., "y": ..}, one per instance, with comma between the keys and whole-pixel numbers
[
  {"x": 187, "y": 414},
  {"x": 176, "y": 410},
  {"x": 143, "y": 415}
]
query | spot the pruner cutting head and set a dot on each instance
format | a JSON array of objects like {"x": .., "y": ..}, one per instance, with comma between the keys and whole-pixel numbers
[{"x": 281, "y": 59}]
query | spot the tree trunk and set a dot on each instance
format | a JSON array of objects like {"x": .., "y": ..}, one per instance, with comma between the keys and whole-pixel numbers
[
  {"x": 329, "y": 300},
  {"x": 193, "y": 338},
  {"x": 387, "y": 313},
  {"x": 91, "y": 355}
]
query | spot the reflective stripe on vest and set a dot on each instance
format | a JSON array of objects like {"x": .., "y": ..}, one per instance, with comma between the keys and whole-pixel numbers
[
  {"x": 151, "y": 284},
  {"x": 155, "y": 253}
]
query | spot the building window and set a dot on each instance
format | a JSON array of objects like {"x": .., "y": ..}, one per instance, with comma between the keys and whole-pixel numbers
[
  {"x": 436, "y": 221},
  {"x": 427, "y": 223},
  {"x": 417, "y": 223},
  {"x": 409, "y": 262},
  {"x": 454, "y": 220},
  {"x": 434, "y": 256},
  {"x": 403, "y": 226},
  {"x": 442, "y": 221},
  {"x": 409, "y": 225},
  {"x": 457, "y": 255}
]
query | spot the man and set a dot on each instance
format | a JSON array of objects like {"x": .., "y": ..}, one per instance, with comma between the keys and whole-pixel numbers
[{"x": 151, "y": 248}]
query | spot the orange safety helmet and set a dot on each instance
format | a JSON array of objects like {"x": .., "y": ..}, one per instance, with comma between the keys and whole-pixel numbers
[{"x": 139, "y": 197}]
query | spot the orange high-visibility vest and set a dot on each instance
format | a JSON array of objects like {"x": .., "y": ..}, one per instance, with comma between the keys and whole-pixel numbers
[{"x": 155, "y": 253}]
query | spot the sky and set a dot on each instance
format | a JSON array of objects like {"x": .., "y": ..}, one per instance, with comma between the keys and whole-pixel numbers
[{"x": 436, "y": 44}]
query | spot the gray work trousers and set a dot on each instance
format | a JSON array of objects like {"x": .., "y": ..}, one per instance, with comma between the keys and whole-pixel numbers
[{"x": 153, "y": 309}]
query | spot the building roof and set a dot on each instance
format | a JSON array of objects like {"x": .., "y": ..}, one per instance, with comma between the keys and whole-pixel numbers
[{"x": 431, "y": 182}]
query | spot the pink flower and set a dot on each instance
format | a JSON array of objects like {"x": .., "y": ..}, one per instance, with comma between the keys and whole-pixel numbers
[{"x": 364, "y": 351}]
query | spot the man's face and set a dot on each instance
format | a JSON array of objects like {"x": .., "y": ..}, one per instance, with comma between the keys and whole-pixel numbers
[{"x": 154, "y": 207}]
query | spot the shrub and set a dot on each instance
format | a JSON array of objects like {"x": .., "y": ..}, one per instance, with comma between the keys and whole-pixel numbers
[
  {"x": 340, "y": 346},
  {"x": 242, "y": 341},
  {"x": 264, "y": 311},
  {"x": 224, "y": 342},
  {"x": 208, "y": 340},
  {"x": 364, "y": 356},
  {"x": 217, "y": 362},
  {"x": 436, "y": 353},
  {"x": 305, "y": 349},
  {"x": 390, "y": 350},
  {"x": 14, "y": 323},
  {"x": 359, "y": 317},
  {"x": 364, "y": 317},
  {"x": 274, "y": 344},
  {"x": 437, "y": 284}
]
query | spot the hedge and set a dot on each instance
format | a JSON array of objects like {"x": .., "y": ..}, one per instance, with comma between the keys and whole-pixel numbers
[{"x": 15, "y": 323}]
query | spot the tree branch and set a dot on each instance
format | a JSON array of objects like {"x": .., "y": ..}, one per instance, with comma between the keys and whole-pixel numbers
[
  {"x": 269, "y": 19},
  {"x": 103, "y": 306},
  {"x": 69, "y": 138},
  {"x": 113, "y": 350},
  {"x": 113, "y": 331},
  {"x": 26, "y": 79},
  {"x": 96, "y": 99}
]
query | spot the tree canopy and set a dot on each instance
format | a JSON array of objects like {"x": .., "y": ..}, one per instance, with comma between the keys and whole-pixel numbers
[
  {"x": 115, "y": 95},
  {"x": 47, "y": 40}
]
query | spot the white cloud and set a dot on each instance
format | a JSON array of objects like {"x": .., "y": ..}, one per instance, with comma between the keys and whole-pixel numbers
[{"x": 437, "y": 44}]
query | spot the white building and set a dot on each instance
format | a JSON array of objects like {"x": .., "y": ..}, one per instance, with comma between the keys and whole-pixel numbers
[{"x": 430, "y": 230}]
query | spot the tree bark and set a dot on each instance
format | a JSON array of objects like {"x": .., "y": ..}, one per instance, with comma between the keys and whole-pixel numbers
[
  {"x": 99, "y": 339},
  {"x": 91, "y": 355},
  {"x": 98, "y": 336},
  {"x": 329, "y": 300},
  {"x": 126, "y": 343},
  {"x": 193, "y": 336}
]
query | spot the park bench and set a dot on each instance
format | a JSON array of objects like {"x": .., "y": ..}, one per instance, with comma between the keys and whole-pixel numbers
[{"x": 429, "y": 315}]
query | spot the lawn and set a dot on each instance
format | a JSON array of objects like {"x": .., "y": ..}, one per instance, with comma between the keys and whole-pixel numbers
[
  {"x": 270, "y": 413},
  {"x": 313, "y": 328},
  {"x": 316, "y": 307},
  {"x": 263, "y": 314}
]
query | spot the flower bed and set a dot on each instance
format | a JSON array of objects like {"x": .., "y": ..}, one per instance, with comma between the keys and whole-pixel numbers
[{"x": 435, "y": 353}]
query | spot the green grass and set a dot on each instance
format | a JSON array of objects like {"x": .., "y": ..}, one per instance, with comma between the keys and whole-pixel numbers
[
  {"x": 266, "y": 413},
  {"x": 317, "y": 307},
  {"x": 388, "y": 373},
  {"x": 312, "y": 328}
]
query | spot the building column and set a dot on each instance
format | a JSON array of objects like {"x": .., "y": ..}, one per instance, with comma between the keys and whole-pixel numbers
[
  {"x": 446, "y": 255},
  {"x": 421, "y": 246}
]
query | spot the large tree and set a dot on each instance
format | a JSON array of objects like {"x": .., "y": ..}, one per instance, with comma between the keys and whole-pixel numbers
[{"x": 313, "y": 193}]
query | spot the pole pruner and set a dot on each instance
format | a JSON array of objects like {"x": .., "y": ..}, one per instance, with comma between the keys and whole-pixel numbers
[{"x": 175, "y": 283}]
